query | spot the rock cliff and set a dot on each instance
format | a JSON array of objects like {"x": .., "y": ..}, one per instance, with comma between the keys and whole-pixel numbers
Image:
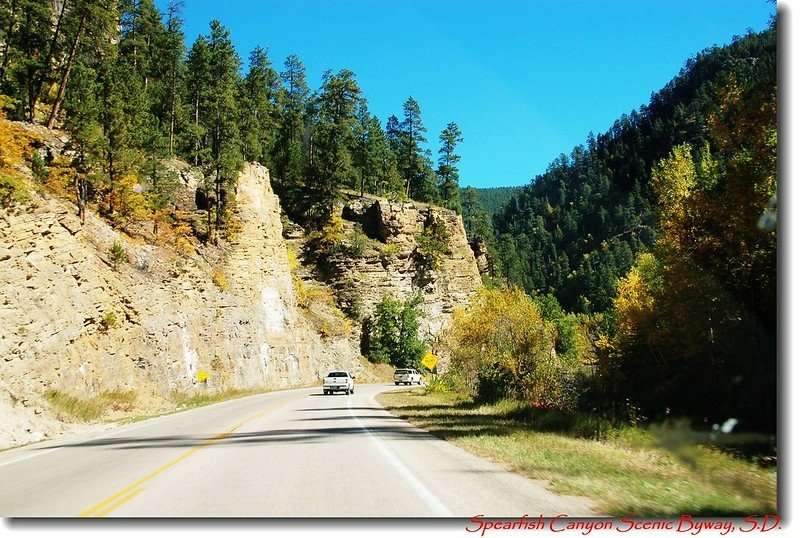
[
  {"x": 395, "y": 263},
  {"x": 72, "y": 321},
  {"x": 78, "y": 320}
]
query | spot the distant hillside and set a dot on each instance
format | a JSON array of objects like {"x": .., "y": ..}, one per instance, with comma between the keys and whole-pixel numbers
[
  {"x": 665, "y": 228},
  {"x": 493, "y": 199},
  {"x": 577, "y": 229}
]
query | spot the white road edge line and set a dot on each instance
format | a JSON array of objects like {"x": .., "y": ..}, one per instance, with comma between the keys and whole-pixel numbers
[
  {"x": 108, "y": 433},
  {"x": 426, "y": 494},
  {"x": 67, "y": 444}
]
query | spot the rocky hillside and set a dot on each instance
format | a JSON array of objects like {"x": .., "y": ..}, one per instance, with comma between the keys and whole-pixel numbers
[
  {"x": 73, "y": 321},
  {"x": 80, "y": 321}
]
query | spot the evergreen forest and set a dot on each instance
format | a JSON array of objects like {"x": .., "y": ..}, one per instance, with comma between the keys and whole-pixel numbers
[{"x": 660, "y": 235}]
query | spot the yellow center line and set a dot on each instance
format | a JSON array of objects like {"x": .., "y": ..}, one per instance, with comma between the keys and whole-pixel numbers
[
  {"x": 111, "y": 503},
  {"x": 119, "y": 503}
]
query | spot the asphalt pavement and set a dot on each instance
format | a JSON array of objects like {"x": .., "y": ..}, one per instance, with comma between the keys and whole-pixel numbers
[{"x": 294, "y": 453}]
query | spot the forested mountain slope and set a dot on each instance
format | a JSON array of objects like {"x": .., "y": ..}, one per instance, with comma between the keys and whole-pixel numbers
[
  {"x": 492, "y": 199},
  {"x": 577, "y": 228},
  {"x": 666, "y": 225}
]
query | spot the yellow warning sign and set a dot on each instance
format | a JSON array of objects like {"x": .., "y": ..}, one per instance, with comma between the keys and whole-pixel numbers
[
  {"x": 429, "y": 360},
  {"x": 202, "y": 376}
]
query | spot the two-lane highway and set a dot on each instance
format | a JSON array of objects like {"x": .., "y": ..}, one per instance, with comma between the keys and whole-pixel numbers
[{"x": 292, "y": 453}]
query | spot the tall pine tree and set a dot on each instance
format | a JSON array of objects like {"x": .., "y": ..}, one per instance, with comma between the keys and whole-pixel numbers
[{"x": 448, "y": 167}]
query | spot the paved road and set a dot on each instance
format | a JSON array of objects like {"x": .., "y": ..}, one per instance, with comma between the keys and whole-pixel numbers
[{"x": 292, "y": 453}]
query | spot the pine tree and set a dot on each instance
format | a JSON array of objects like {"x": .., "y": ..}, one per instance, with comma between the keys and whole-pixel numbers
[
  {"x": 369, "y": 145},
  {"x": 393, "y": 134},
  {"x": 388, "y": 180},
  {"x": 221, "y": 120},
  {"x": 198, "y": 90},
  {"x": 89, "y": 23},
  {"x": 332, "y": 162},
  {"x": 143, "y": 45},
  {"x": 448, "y": 171},
  {"x": 123, "y": 111},
  {"x": 288, "y": 155},
  {"x": 173, "y": 49},
  {"x": 476, "y": 220},
  {"x": 411, "y": 159},
  {"x": 82, "y": 106},
  {"x": 258, "y": 97},
  {"x": 27, "y": 43},
  {"x": 142, "y": 36}
]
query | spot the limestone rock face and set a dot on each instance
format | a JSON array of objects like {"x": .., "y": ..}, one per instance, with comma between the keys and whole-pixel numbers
[
  {"x": 70, "y": 321},
  {"x": 481, "y": 252},
  {"x": 73, "y": 321},
  {"x": 391, "y": 267}
]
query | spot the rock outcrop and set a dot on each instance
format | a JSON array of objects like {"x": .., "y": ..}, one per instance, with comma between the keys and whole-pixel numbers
[
  {"x": 72, "y": 321},
  {"x": 76, "y": 319},
  {"x": 393, "y": 265}
]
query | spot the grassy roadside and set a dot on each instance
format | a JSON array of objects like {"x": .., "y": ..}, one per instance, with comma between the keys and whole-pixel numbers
[
  {"x": 125, "y": 407},
  {"x": 98, "y": 408},
  {"x": 629, "y": 471}
]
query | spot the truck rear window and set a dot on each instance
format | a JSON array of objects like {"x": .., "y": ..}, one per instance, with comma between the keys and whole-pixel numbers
[{"x": 337, "y": 374}]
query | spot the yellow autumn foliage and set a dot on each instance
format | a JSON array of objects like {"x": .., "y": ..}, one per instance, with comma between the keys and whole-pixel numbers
[
  {"x": 329, "y": 238},
  {"x": 129, "y": 203},
  {"x": 634, "y": 303},
  {"x": 502, "y": 347},
  {"x": 673, "y": 179},
  {"x": 16, "y": 145}
]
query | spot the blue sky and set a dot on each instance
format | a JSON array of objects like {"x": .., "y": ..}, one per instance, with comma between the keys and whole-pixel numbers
[{"x": 524, "y": 80}]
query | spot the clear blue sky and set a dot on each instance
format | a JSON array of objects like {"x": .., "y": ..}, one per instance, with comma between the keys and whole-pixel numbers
[{"x": 524, "y": 80}]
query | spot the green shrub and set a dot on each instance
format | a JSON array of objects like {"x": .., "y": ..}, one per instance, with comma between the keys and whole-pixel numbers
[
  {"x": 219, "y": 280},
  {"x": 117, "y": 254},
  {"x": 503, "y": 347},
  {"x": 12, "y": 191},
  {"x": 108, "y": 321},
  {"x": 92, "y": 408},
  {"x": 388, "y": 252},
  {"x": 355, "y": 243},
  {"x": 391, "y": 333},
  {"x": 349, "y": 301},
  {"x": 38, "y": 167},
  {"x": 328, "y": 240},
  {"x": 183, "y": 400},
  {"x": 431, "y": 245},
  {"x": 444, "y": 383}
]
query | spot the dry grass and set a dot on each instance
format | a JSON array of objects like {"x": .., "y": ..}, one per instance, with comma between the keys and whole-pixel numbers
[
  {"x": 625, "y": 472},
  {"x": 92, "y": 408},
  {"x": 185, "y": 401}
]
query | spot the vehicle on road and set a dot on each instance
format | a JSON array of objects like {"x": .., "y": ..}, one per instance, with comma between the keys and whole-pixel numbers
[
  {"x": 407, "y": 376},
  {"x": 338, "y": 381}
]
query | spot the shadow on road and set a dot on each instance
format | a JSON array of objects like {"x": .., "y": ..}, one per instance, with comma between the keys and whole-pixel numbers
[{"x": 300, "y": 435}]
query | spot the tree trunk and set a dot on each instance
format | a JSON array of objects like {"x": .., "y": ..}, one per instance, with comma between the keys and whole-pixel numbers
[
  {"x": 217, "y": 145},
  {"x": 7, "y": 40},
  {"x": 65, "y": 77},
  {"x": 172, "y": 126},
  {"x": 196, "y": 126},
  {"x": 80, "y": 191},
  {"x": 172, "y": 113},
  {"x": 46, "y": 64},
  {"x": 111, "y": 180}
]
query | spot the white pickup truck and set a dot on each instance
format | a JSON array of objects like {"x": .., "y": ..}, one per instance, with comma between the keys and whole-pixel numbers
[
  {"x": 338, "y": 382},
  {"x": 407, "y": 376}
]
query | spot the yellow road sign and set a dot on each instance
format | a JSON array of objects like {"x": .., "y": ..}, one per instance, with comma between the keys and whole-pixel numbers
[{"x": 429, "y": 360}]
